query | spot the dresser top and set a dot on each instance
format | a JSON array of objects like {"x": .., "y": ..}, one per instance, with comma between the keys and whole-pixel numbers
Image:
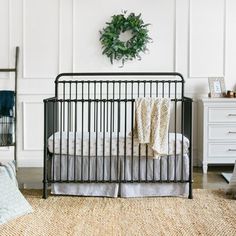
[{"x": 218, "y": 100}]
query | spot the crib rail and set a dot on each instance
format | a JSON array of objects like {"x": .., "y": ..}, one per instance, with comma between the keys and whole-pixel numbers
[{"x": 92, "y": 110}]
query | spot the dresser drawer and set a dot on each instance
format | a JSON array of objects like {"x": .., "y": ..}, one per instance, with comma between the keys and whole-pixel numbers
[
  {"x": 222, "y": 150},
  {"x": 222, "y": 114},
  {"x": 223, "y": 132}
]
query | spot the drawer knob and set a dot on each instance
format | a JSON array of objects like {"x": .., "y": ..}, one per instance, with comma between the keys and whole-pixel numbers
[
  {"x": 231, "y": 114},
  {"x": 231, "y": 150},
  {"x": 232, "y": 132}
]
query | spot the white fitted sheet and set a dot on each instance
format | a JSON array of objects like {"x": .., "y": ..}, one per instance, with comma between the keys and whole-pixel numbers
[{"x": 60, "y": 141}]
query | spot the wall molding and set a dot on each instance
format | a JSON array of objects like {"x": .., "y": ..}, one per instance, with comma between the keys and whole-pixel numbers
[
  {"x": 174, "y": 65},
  {"x": 175, "y": 36},
  {"x": 26, "y": 147},
  {"x": 66, "y": 14},
  {"x": 190, "y": 76},
  {"x": 7, "y": 75},
  {"x": 24, "y": 74},
  {"x": 9, "y": 37},
  {"x": 73, "y": 35}
]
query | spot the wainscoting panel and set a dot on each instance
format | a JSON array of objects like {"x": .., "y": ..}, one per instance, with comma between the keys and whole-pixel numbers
[
  {"x": 66, "y": 36},
  {"x": 206, "y": 38},
  {"x": 91, "y": 16},
  {"x": 4, "y": 41},
  {"x": 40, "y": 38},
  {"x": 194, "y": 37},
  {"x": 32, "y": 126},
  {"x": 231, "y": 44}
]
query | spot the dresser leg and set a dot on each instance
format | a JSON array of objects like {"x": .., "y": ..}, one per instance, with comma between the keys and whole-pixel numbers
[{"x": 204, "y": 168}]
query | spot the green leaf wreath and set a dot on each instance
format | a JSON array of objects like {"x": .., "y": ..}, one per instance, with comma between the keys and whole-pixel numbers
[{"x": 118, "y": 50}]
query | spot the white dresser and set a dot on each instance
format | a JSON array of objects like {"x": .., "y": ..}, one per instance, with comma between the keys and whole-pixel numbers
[{"x": 217, "y": 133}]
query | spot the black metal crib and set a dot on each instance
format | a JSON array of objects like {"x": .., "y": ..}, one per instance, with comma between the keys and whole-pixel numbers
[{"x": 98, "y": 109}]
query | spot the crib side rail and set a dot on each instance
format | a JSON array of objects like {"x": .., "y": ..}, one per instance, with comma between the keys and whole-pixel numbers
[
  {"x": 112, "y": 117},
  {"x": 119, "y": 85}
]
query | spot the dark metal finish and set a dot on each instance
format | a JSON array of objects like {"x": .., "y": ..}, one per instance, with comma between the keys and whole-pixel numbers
[
  {"x": 100, "y": 109},
  {"x": 188, "y": 134},
  {"x": 45, "y": 177}
]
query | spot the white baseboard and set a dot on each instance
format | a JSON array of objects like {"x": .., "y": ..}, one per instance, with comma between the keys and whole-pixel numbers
[{"x": 30, "y": 162}]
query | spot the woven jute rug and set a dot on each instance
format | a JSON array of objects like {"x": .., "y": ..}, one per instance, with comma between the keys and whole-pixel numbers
[{"x": 209, "y": 213}]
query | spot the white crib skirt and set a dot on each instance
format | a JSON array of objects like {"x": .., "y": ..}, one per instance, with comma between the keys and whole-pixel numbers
[
  {"x": 91, "y": 189},
  {"x": 124, "y": 171}
]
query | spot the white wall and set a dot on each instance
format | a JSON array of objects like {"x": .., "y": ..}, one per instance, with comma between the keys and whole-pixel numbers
[{"x": 194, "y": 37}]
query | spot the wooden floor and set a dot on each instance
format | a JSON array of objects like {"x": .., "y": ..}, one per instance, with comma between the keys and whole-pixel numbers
[
  {"x": 213, "y": 179},
  {"x": 30, "y": 178}
]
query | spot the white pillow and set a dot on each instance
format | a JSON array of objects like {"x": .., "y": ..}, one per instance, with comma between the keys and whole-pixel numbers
[{"x": 12, "y": 202}]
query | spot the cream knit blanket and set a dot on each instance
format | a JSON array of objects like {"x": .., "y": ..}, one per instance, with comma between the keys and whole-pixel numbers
[{"x": 152, "y": 117}]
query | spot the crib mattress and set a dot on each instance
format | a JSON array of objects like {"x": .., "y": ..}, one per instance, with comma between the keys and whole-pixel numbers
[{"x": 69, "y": 143}]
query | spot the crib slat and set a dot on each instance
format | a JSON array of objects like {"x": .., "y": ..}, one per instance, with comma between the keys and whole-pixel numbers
[
  {"x": 75, "y": 131},
  {"x": 118, "y": 138},
  {"x": 161, "y": 170},
  {"x": 157, "y": 87},
  {"x": 89, "y": 130},
  {"x": 96, "y": 125},
  {"x": 101, "y": 107},
  {"x": 132, "y": 147},
  {"x": 103, "y": 149},
  {"x": 68, "y": 139},
  {"x": 111, "y": 128},
  {"x": 61, "y": 107},
  {"x": 82, "y": 136},
  {"x": 139, "y": 162},
  {"x": 153, "y": 169},
  {"x": 64, "y": 94},
  {"x": 144, "y": 89},
  {"x": 163, "y": 90},
  {"x": 125, "y": 117},
  {"x": 146, "y": 163},
  {"x": 53, "y": 156},
  {"x": 168, "y": 157},
  {"x": 113, "y": 106},
  {"x": 107, "y": 103},
  {"x": 150, "y": 87},
  {"x": 182, "y": 135},
  {"x": 175, "y": 125}
]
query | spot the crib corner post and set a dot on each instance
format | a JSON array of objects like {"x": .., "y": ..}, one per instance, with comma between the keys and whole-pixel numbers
[
  {"x": 45, "y": 168},
  {"x": 45, "y": 190},
  {"x": 190, "y": 194}
]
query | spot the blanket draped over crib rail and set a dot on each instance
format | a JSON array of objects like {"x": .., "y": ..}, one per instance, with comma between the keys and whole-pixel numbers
[{"x": 152, "y": 117}]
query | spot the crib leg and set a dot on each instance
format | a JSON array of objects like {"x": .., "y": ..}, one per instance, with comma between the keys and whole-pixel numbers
[
  {"x": 45, "y": 181},
  {"x": 45, "y": 190},
  {"x": 190, "y": 195}
]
